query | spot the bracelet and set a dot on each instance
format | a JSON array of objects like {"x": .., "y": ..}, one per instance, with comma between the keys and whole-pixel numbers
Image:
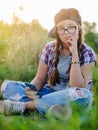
[{"x": 75, "y": 62}]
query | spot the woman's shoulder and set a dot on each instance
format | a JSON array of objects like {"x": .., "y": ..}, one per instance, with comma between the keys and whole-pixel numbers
[
  {"x": 50, "y": 44},
  {"x": 48, "y": 51},
  {"x": 48, "y": 48}
]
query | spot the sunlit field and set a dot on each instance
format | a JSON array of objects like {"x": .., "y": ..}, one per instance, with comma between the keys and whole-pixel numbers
[{"x": 20, "y": 47}]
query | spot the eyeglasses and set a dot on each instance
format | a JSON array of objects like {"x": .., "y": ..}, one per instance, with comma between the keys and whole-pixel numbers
[{"x": 70, "y": 30}]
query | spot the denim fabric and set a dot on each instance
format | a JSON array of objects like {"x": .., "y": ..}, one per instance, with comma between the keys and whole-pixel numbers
[
  {"x": 15, "y": 90},
  {"x": 64, "y": 97},
  {"x": 45, "y": 90}
]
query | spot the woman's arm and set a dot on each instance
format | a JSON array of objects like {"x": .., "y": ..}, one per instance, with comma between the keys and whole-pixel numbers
[
  {"x": 41, "y": 75},
  {"x": 87, "y": 71},
  {"x": 76, "y": 77},
  {"x": 80, "y": 76}
]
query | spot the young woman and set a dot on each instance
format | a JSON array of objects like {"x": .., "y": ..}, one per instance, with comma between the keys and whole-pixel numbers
[{"x": 64, "y": 74}]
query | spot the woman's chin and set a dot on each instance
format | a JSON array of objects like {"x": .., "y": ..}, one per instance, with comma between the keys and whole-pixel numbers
[{"x": 64, "y": 45}]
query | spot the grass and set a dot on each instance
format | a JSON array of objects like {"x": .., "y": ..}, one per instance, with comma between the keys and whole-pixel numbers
[
  {"x": 79, "y": 120},
  {"x": 35, "y": 121}
]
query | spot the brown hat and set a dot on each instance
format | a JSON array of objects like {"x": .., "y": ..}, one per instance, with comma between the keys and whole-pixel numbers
[{"x": 65, "y": 14}]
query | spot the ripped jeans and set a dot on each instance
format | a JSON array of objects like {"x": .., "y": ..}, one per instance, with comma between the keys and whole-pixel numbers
[{"x": 15, "y": 90}]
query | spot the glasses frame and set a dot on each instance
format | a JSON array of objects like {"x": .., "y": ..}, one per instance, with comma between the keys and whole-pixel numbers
[{"x": 66, "y": 29}]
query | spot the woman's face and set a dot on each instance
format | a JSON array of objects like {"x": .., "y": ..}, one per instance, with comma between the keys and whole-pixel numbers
[{"x": 67, "y": 29}]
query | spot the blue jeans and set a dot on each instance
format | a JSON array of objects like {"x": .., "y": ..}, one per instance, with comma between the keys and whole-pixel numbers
[{"x": 15, "y": 90}]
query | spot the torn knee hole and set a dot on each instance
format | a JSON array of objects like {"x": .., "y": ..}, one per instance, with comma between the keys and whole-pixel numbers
[{"x": 79, "y": 92}]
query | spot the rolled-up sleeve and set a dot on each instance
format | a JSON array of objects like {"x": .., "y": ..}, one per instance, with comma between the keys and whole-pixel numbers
[{"x": 87, "y": 56}]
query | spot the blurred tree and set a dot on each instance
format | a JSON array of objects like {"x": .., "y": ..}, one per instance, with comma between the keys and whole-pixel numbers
[{"x": 91, "y": 35}]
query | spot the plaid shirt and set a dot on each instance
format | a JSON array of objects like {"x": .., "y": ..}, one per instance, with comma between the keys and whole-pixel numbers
[{"x": 87, "y": 56}]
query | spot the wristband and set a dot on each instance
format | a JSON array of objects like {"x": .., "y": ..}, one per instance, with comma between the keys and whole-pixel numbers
[
  {"x": 31, "y": 85},
  {"x": 75, "y": 62}
]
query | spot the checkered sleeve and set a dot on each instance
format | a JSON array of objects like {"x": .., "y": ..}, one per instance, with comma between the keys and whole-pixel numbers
[
  {"x": 44, "y": 55},
  {"x": 88, "y": 55},
  {"x": 47, "y": 53}
]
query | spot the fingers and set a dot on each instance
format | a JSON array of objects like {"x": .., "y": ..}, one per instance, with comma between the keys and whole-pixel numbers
[
  {"x": 72, "y": 40},
  {"x": 33, "y": 97},
  {"x": 75, "y": 37},
  {"x": 27, "y": 89},
  {"x": 31, "y": 94}
]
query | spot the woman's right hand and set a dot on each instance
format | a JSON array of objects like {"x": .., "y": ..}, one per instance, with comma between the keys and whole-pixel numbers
[{"x": 31, "y": 93}]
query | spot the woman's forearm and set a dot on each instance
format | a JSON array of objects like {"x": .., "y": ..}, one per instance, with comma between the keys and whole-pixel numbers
[
  {"x": 76, "y": 77},
  {"x": 38, "y": 83}
]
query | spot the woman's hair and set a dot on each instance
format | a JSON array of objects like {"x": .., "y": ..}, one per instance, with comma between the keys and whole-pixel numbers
[{"x": 54, "y": 76}]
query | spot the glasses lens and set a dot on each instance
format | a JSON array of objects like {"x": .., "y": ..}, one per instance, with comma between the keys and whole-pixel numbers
[
  {"x": 71, "y": 29},
  {"x": 60, "y": 30}
]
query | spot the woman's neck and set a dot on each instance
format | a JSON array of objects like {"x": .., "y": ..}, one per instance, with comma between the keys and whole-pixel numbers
[{"x": 64, "y": 51}]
